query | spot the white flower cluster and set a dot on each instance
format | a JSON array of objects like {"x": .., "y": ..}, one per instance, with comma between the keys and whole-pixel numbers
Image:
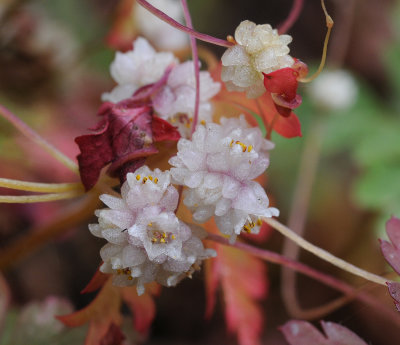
[
  {"x": 176, "y": 100},
  {"x": 218, "y": 167},
  {"x": 259, "y": 49},
  {"x": 147, "y": 242},
  {"x": 161, "y": 34}
]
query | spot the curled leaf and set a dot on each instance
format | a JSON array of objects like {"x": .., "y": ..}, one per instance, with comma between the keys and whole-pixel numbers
[{"x": 391, "y": 251}]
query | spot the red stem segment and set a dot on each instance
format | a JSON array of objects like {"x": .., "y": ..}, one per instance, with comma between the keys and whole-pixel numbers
[
  {"x": 293, "y": 15},
  {"x": 175, "y": 24},
  {"x": 195, "y": 56}
]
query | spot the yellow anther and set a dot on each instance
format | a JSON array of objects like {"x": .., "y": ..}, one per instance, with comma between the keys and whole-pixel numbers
[
  {"x": 164, "y": 235},
  {"x": 144, "y": 179},
  {"x": 150, "y": 224},
  {"x": 187, "y": 125},
  {"x": 150, "y": 178},
  {"x": 119, "y": 271},
  {"x": 137, "y": 177},
  {"x": 250, "y": 148},
  {"x": 130, "y": 278},
  {"x": 247, "y": 228},
  {"x": 203, "y": 122},
  {"x": 231, "y": 144},
  {"x": 259, "y": 222},
  {"x": 252, "y": 225},
  {"x": 154, "y": 240},
  {"x": 173, "y": 237},
  {"x": 162, "y": 240},
  {"x": 155, "y": 180}
]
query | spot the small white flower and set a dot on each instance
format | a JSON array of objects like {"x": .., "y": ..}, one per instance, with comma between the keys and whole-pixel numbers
[
  {"x": 136, "y": 68},
  {"x": 334, "y": 90},
  {"x": 161, "y": 34},
  {"x": 147, "y": 242},
  {"x": 176, "y": 101},
  {"x": 259, "y": 49},
  {"x": 218, "y": 166}
]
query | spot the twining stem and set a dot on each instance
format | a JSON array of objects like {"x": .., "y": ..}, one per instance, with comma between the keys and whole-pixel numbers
[
  {"x": 329, "y": 25},
  {"x": 24, "y": 199},
  {"x": 293, "y": 15},
  {"x": 31, "y": 134},
  {"x": 350, "y": 291},
  {"x": 175, "y": 24},
  {"x": 323, "y": 254},
  {"x": 40, "y": 187},
  {"x": 195, "y": 56},
  {"x": 297, "y": 219}
]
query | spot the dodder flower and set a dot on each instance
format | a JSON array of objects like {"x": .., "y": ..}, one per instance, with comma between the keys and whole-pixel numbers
[
  {"x": 218, "y": 166},
  {"x": 176, "y": 101},
  {"x": 259, "y": 49},
  {"x": 136, "y": 68},
  {"x": 147, "y": 242}
]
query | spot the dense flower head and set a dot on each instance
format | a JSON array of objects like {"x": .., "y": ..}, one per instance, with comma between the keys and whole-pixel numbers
[
  {"x": 161, "y": 34},
  {"x": 259, "y": 49},
  {"x": 176, "y": 101},
  {"x": 147, "y": 242},
  {"x": 136, "y": 68},
  {"x": 218, "y": 166}
]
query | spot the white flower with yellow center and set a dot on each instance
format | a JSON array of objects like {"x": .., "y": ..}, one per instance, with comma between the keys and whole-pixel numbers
[
  {"x": 147, "y": 242},
  {"x": 218, "y": 167},
  {"x": 259, "y": 49}
]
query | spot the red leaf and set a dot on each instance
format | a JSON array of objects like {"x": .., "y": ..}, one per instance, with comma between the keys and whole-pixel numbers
[
  {"x": 394, "y": 291},
  {"x": 114, "y": 336},
  {"x": 163, "y": 130},
  {"x": 143, "y": 307},
  {"x": 282, "y": 82},
  {"x": 101, "y": 313},
  {"x": 123, "y": 137},
  {"x": 97, "y": 281},
  {"x": 242, "y": 311},
  {"x": 391, "y": 251},
  {"x": 303, "y": 333}
]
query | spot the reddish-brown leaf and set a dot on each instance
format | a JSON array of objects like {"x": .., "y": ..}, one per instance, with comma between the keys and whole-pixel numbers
[
  {"x": 243, "y": 282},
  {"x": 163, "y": 130},
  {"x": 114, "y": 336},
  {"x": 391, "y": 251},
  {"x": 303, "y": 333},
  {"x": 123, "y": 137},
  {"x": 394, "y": 291},
  {"x": 101, "y": 313},
  {"x": 143, "y": 307},
  {"x": 97, "y": 281}
]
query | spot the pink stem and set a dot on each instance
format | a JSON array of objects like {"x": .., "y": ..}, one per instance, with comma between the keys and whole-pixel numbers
[
  {"x": 175, "y": 24},
  {"x": 310, "y": 272},
  {"x": 293, "y": 15},
  {"x": 31, "y": 134},
  {"x": 195, "y": 56}
]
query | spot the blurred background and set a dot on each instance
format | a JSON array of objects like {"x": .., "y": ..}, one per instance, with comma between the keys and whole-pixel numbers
[{"x": 54, "y": 66}]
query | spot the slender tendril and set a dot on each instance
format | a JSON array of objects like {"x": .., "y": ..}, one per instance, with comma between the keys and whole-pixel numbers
[
  {"x": 40, "y": 187},
  {"x": 329, "y": 25},
  {"x": 323, "y": 254},
  {"x": 195, "y": 56},
  {"x": 24, "y": 199},
  {"x": 175, "y": 24},
  {"x": 31, "y": 134}
]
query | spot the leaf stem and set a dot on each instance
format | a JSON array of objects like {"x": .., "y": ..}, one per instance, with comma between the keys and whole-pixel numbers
[
  {"x": 195, "y": 56},
  {"x": 175, "y": 24},
  {"x": 40, "y": 187},
  {"x": 31, "y": 134},
  {"x": 323, "y": 254}
]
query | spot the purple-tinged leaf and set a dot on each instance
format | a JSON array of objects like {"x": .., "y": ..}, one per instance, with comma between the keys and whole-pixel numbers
[
  {"x": 394, "y": 290},
  {"x": 391, "y": 251},
  {"x": 304, "y": 333},
  {"x": 123, "y": 137}
]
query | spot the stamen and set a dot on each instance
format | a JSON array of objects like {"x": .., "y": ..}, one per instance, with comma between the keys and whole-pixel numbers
[
  {"x": 137, "y": 177},
  {"x": 40, "y": 187},
  {"x": 150, "y": 178},
  {"x": 144, "y": 179},
  {"x": 155, "y": 180},
  {"x": 203, "y": 122},
  {"x": 250, "y": 148}
]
